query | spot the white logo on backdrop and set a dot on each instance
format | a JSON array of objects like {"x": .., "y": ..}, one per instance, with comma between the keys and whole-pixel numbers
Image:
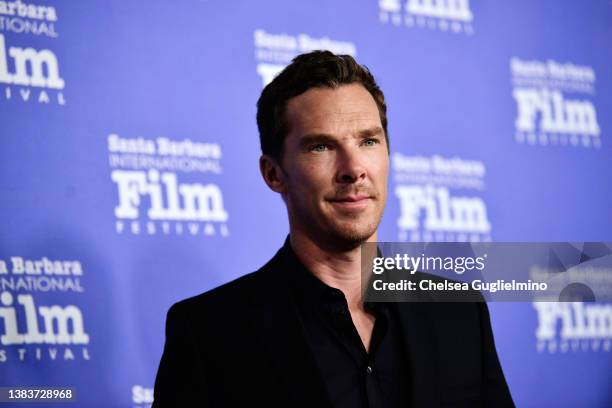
[
  {"x": 440, "y": 199},
  {"x": 142, "y": 397},
  {"x": 453, "y": 16},
  {"x": 573, "y": 326},
  {"x": 554, "y": 103},
  {"x": 31, "y": 70},
  {"x": 273, "y": 52},
  {"x": 151, "y": 198},
  {"x": 37, "y": 332},
  {"x": 20, "y": 17}
]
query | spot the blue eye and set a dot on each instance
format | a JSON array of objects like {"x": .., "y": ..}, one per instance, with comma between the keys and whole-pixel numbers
[
  {"x": 370, "y": 142},
  {"x": 319, "y": 147}
]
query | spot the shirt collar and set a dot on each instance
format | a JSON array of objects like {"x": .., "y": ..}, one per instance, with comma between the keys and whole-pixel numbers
[
  {"x": 305, "y": 284},
  {"x": 310, "y": 289}
]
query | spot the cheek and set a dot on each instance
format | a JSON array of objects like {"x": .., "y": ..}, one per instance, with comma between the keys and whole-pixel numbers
[
  {"x": 380, "y": 169},
  {"x": 313, "y": 177}
]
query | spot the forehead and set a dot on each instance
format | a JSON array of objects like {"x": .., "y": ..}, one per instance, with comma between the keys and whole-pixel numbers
[{"x": 334, "y": 111}]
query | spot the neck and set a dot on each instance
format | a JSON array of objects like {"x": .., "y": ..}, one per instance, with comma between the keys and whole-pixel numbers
[{"x": 335, "y": 266}]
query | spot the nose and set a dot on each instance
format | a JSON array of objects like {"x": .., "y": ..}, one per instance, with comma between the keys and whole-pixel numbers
[{"x": 350, "y": 168}]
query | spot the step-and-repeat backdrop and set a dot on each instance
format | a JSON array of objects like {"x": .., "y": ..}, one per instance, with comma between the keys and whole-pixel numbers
[{"x": 129, "y": 176}]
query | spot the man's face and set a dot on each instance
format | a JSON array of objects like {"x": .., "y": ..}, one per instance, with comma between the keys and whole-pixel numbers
[{"x": 335, "y": 164}]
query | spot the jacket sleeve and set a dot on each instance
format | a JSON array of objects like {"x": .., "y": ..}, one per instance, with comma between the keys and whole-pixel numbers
[
  {"x": 496, "y": 391},
  {"x": 180, "y": 379}
]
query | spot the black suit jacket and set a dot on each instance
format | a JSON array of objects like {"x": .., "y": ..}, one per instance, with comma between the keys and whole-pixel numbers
[{"x": 242, "y": 344}]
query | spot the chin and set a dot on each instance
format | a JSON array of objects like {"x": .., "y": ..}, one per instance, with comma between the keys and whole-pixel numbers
[{"x": 353, "y": 235}]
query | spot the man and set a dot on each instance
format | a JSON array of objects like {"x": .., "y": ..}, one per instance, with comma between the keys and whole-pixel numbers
[{"x": 296, "y": 333}]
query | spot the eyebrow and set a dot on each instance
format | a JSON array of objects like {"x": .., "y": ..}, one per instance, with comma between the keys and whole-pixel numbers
[{"x": 314, "y": 138}]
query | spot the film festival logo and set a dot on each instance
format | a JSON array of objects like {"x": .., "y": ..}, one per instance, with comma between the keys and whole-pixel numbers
[
  {"x": 26, "y": 18},
  {"x": 142, "y": 397},
  {"x": 34, "y": 332},
  {"x": 554, "y": 104},
  {"x": 152, "y": 196},
  {"x": 273, "y": 52},
  {"x": 573, "y": 327},
  {"x": 453, "y": 16},
  {"x": 29, "y": 75},
  {"x": 440, "y": 199}
]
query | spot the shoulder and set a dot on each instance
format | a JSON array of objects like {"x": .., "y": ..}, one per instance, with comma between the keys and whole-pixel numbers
[
  {"x": 234, "y": 295},
  {"x": 447, "y": 303},
  {"x": 454, "y": 311}
]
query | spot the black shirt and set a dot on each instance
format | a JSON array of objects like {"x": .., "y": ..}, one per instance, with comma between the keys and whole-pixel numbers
[{"x": 353, "y": 376}]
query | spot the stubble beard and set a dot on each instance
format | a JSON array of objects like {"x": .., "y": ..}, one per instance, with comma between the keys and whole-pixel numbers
[{"x": 339, "y": 230}]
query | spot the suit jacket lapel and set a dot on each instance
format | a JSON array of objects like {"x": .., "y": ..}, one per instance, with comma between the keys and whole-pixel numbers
[
  {"x": 419, "y": 342},
  {"x": 276, "y": 322}
]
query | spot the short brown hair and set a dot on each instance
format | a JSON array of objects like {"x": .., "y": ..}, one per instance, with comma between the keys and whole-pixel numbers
[{"x": 316, "y": 69}]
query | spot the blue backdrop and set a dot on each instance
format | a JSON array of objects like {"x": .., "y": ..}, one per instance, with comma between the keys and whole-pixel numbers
[{"x": 129, "y": 176}]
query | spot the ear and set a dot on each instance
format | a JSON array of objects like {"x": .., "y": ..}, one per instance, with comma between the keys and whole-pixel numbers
[{"x": 272, "y": 174}]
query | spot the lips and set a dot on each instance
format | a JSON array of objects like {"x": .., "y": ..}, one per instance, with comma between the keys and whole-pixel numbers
[
  {"x": 351, "y": 202},
  {"x": 351, "y": 199}
]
